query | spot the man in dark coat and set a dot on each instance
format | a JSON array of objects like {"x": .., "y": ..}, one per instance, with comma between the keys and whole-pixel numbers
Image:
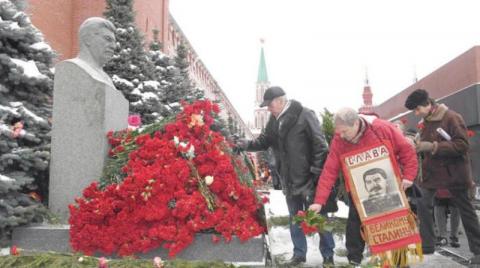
[
  {"x": 446, "y": 165},
  {"x": 299, "y": 147}
]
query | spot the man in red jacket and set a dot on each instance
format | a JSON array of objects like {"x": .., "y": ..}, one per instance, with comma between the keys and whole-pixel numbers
[{"x": 353, "y": 132}]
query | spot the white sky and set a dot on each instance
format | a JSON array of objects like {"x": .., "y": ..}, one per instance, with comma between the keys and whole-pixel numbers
[{"x": 318, "y": 50}]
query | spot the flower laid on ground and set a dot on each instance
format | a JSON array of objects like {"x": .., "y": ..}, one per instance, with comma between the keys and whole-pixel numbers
[
  {"x": 102, "y": 262},
  {"x": 134, "y": 120},
  {"x": 158, "y": 192},
  {"x": 312, "y": 222},
  {"x": 215, "y": 239},
  {"x": 158, "y": 262},
  {"x": 209, "y": 180},
  {"x": 35, "y": 196},
  {"x": 14, "y": 250}
]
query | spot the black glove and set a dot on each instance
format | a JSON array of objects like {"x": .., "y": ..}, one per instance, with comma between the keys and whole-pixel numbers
[{"x": 240, "y": 145}]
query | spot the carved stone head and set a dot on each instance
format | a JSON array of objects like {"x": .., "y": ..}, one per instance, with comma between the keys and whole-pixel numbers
[{"x": 97, "y": 40}]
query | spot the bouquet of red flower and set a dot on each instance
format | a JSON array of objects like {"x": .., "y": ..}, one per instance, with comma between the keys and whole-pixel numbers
[
  {"x": 311, "y": 222},
  {"x": 163, "y": 184}
]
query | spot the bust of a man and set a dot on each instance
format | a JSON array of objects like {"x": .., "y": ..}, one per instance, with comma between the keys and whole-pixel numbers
[{"x": 97, "y": 44}]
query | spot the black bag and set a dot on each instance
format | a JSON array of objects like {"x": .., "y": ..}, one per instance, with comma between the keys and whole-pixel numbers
[
  {"x": 413, "y": 191},
  {"x": 414, "y": 194}
]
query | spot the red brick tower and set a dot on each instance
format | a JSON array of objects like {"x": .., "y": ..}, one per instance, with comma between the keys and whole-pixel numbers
[{"x": 367, "y": 107}]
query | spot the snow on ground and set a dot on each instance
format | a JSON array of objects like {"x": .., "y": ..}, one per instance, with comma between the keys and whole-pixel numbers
[
  {"x": 279, "y": 236},
  {"x": 4, "y": 251}
]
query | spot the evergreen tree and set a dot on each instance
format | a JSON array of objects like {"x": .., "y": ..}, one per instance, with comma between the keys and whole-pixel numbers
[
  {"x": 155, "y": 45},
  {"x": 163, "y": 73},
  {"x": 230, "y": 123},
  {"x": 173, "y": 75},
  {"x": 131, "y": 69},
  {"x": 180, "y": 87},
  {"x": 25, "y": 109},
  {"x": 328, "y": 126}
]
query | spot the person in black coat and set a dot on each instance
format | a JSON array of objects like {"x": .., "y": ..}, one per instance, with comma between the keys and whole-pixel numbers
[{"x": 294, "y": 134}]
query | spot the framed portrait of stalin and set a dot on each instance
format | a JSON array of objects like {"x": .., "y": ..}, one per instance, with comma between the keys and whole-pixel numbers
[{"x": 374, "y": 180}]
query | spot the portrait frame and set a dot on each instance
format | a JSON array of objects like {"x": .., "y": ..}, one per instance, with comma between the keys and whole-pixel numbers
[{"x": 375, "y": 161}]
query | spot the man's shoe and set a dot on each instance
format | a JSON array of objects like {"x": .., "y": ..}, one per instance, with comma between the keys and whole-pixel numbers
[
  {"x": 454, "y": 242},
  {"x": 475, "y": 260},
  {"x": 328, "y": 262},
  {"x": 441, "y": 241},
  {"x": 355, "y": 264},
  {"x": 297, "y": 260},
  {"x": 427, "y": 251}
]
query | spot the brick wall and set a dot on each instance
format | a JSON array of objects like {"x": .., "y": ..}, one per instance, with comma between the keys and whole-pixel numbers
[
  {"x": 53, "y": 18},
  {"x": 59, "y": 20}
]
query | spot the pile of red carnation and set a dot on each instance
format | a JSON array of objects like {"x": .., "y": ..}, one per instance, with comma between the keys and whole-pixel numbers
[{"x": 180, "y": 181}]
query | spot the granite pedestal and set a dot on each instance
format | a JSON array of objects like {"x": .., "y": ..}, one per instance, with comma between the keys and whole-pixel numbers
[{"x": 56, "y": 238}]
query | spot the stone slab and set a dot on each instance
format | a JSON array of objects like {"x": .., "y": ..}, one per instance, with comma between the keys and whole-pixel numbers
[
  {"x": 42, "y": 238},
  {"x": 56, "y": 238}
]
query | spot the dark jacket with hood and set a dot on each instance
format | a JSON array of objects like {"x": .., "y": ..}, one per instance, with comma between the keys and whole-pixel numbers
[
  {"x": 299, "y": 148},
  {"x": 448, "y": 165}
]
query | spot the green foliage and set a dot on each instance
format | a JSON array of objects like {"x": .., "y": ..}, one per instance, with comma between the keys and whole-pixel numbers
[
  {"x": 313, "y": 219},
  {"x": 57, "y": 260},
  {"x": 245, "y": 177},
  {"x": 132, "y": 71},
  {"x": 155, "y": 45},
  {"x": 328, "y": 126},
  {"x": 278, "y": 221},
  {"x": 130, "y": 61},
  {"x": 173, "y": 75},
  {"x": 25, "y": 107},
  {"x": 179, "y": 86},
  {"x": 338, "y": 225}
]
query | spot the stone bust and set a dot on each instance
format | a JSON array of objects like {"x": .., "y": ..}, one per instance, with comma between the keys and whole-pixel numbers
[{"x": 97, "y": 44}]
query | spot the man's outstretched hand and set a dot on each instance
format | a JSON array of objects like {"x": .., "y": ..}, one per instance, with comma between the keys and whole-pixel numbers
[
  {"x": 240, "y": 144},
  {"x": 315, "y": 207},
  {"x": 406, "y": 184}
]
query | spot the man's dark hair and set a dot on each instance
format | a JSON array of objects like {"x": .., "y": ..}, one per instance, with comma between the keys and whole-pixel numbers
[{"x": 374, "y": 171}]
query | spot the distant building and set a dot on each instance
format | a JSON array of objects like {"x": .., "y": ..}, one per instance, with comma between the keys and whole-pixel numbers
[
  {"x": 59, "y": 21},
  {"x": 457, "y": 84},
  {"x": 367, "y": 96},
  {"x": 261, "y": 114}
]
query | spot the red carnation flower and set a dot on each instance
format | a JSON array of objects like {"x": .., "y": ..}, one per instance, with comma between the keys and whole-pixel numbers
[
  {"x": 215, "y": 239},
  {"x": 14, "y": 251},
  {"x": 301, "y": 213},
  {"x": 134, "y": 120}
]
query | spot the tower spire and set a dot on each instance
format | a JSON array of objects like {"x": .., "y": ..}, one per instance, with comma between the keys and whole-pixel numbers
[
  {"x": 366, "y": 76},
  {"x": 261, "y": 113},
  {"x": 367, "y": 106},
  {"x": 415, "y": 78},
  {"x": 262, "y": 67}
]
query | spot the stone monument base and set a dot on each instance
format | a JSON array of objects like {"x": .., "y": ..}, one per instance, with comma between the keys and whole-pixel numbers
[{"x": 43, "y": 238}]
